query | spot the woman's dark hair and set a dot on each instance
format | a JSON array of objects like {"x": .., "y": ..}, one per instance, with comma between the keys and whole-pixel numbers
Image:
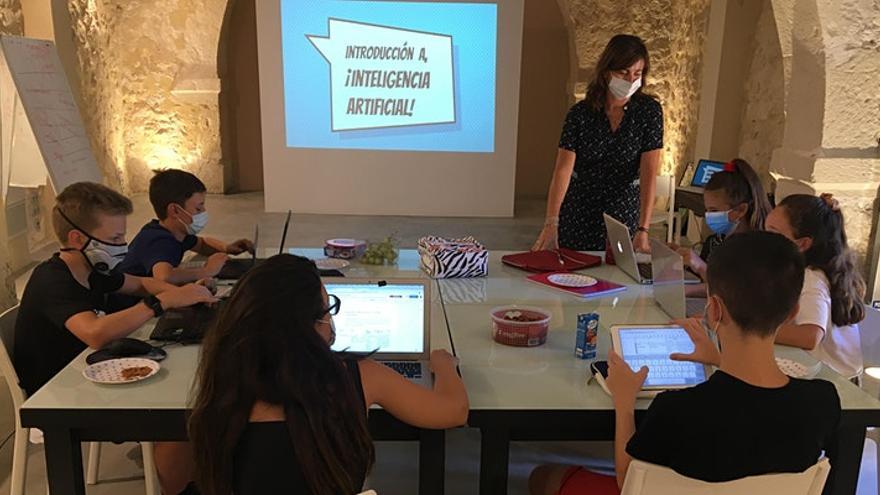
[
  {"x": 741, "y": 185},
  {"x": 264, "y": 347},
  {"x": 821, "y": 219},
  {"x": 620, "y": 53}
]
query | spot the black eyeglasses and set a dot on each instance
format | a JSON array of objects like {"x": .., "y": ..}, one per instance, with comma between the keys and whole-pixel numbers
[{"x": 333, "y": 308}]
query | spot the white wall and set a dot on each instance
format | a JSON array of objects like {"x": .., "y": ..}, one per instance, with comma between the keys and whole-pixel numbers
[{"x": 390, "y": 183}]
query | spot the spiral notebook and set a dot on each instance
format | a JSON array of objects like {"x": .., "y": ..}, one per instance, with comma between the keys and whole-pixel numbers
[{"x": 601, "y": 288}]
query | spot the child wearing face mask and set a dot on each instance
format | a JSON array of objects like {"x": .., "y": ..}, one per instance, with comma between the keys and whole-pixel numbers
[
  {"x": 63, "y": 307},
  {"x": 178, "y": 198},
  {"x": 831, "y": 302},
  {"x": 735, "y": 202}
]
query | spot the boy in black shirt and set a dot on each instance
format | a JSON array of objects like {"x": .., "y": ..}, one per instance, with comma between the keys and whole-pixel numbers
[
  {"x": 62, "y": 309},
  {"x": 749, "y": 418},
  {"x": 178, "y": 198}
]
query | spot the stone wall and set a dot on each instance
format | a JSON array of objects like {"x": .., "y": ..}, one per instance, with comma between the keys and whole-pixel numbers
[
  {"x": 149, "y": 83},
  {"x": 763, "y": 115},
  {"x": 675, "y": 34},
  {"x": 10, "y": 23}
]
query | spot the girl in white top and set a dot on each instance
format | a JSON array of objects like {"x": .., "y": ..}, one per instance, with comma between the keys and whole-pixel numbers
[{"x": 831, "y": 300}]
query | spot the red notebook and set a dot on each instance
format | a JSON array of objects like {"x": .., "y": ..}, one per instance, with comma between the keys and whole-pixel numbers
[
  {"x": 548, "y": 261},
  {"x": 602, "y": 288}
]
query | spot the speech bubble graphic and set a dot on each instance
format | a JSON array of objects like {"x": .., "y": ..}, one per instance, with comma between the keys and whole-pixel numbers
[{"x": 384, "y": 76}]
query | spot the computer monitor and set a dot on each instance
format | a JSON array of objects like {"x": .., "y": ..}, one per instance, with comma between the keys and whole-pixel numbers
[{"x": 705, "y": 170}]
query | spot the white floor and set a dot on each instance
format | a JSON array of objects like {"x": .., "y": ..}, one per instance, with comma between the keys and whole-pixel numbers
[{"x": 395, "y": 472}]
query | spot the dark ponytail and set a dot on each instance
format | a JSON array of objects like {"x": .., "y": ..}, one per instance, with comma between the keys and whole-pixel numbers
[
  {"x": 741, "y": 185},
  {"x": 821, "y": 219}
]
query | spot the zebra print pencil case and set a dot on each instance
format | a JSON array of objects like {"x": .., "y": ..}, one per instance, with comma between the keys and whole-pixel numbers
[{"x": 453, "y": 258}]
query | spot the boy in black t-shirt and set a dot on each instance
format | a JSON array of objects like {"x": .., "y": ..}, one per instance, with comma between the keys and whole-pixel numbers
[
  {"x": 64, "y": 304},
  {"x": 178, "y": 198},
  {"x": 748, "y": 418}
]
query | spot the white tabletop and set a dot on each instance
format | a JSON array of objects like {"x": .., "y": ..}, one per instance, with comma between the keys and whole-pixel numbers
[{"x": 548, "y": 377}]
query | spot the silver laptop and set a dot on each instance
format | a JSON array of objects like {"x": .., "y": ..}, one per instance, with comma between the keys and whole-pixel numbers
[
  {"x": 389, "y": 317},
  {"x": 623, "y": 252},
  {"x": 668, "y": 270}
]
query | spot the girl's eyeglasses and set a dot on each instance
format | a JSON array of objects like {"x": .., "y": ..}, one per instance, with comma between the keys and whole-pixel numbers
[{"x": 335, "y": 304}]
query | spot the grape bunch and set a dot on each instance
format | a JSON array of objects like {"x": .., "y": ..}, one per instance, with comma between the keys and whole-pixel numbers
[{"x": 379, "y": 253}]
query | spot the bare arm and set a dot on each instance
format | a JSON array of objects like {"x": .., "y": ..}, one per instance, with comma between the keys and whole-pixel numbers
[
  {"x": 649, "y": 165},
  {"x": 561, "y": 179},
  {"x": 143, "y": 286},
  {"x": 445, "y": 406},
  {"x": 806, "y": 336},
  {"x": 624, "y": 429},
  {"x": 179, "y": 275},
  {"x": 206, "y": 246}
]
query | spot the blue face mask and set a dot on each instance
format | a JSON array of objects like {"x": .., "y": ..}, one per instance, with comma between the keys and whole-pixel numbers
[{"x": 719, "y": 222}]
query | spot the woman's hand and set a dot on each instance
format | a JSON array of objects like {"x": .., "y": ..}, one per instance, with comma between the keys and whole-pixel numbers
[
  {"x": 641, "y": 242},
  {"x": 548, "y": 240},
  {"x": 705, "y": 351}
]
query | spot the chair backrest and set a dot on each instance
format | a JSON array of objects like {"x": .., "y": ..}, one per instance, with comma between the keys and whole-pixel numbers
[
  {"x": 7, "y": 339},
  {"x": 869, "y": 335},
  {"x": 643, "y": 478}
]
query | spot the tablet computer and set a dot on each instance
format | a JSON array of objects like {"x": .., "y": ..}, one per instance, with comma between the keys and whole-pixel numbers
[{"x": 651, "y": 345}]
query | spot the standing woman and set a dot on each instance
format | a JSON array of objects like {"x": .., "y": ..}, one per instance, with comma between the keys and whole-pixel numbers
[{"x": 609, "y": 154}]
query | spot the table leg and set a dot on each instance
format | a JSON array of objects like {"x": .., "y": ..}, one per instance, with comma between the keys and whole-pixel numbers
[
  {"x": 432, "y": 462},
  {"x": 494, "y": 459},
  {"x": 846, "y": 459},
  {"x": 64, "y": 466}
]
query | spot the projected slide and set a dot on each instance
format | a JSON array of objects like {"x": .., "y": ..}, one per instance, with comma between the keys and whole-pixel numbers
[{"x": 382, "y": 75}]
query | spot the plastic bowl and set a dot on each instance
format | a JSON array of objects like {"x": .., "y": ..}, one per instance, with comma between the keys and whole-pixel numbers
[{"x": 520, "y": 333}]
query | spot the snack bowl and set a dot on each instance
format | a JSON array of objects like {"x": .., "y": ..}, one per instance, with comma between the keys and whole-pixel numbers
[{"x": 521, "y": 326}]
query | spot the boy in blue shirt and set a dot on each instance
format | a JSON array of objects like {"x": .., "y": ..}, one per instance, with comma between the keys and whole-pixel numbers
[{"x": 178, "y": 198}]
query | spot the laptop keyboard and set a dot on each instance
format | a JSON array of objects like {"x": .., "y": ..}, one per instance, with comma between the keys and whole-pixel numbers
[
  {"x": 645, "y": 271},
  {"x": 409, "y": 369}
]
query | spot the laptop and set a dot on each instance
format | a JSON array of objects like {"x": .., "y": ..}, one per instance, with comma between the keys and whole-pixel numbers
[
  {"x": 234, "y": 269},
  {"x": 704, "y": 171},
  {"x": 388, "y": 318},
  {"x": 623, "y": 252},
  {"x": 651, "y": 345},
  {"x": 625, "y": 256},
  {"x": 185, "y": 325},
  {"x": 668, "y": 271}
]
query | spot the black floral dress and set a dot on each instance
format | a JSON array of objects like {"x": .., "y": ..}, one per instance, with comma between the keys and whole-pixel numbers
[{"x": 606, "y": 171}]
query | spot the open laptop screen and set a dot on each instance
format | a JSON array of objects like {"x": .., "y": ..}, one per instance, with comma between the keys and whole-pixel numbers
[
  {"x": 651, "y": 347},
  {"x": 705, "y": 170},
  {"x": 388, "y": 319}
]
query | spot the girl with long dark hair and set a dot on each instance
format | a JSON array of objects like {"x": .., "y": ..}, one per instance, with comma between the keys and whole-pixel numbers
[
  {"x": 831, "y": 303},
  {"x": 609, "y": 155},
  {"x": 277, "y": 411}
]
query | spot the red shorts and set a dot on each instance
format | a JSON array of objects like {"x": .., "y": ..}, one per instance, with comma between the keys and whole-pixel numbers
[{"x": 579, "y": 481}]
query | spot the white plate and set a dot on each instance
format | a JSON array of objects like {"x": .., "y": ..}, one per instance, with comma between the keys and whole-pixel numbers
[
  {"x": 110, "y": 371},
  {"x": 572, "y": 280},
  {"x": 331, "y": 264},
  {"x": 793, "y": 369}
]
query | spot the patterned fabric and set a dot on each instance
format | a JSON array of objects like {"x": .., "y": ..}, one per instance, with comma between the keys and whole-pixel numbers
[
  {"x": 606, "y": 170},
  {"x": 453, "y": 258}
]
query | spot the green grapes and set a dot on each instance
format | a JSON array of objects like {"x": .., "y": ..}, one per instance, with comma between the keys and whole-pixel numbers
[{"x": 379, "y": 253}]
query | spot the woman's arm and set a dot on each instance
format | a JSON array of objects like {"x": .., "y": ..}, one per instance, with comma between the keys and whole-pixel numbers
[
  {"x": 558, "y": 187},
  {"x": 648, "y": 166},
  {"x": 445, "y": 406}
]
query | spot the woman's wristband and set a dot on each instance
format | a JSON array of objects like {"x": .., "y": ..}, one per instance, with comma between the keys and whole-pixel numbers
[
  {"x": 552, "y": 221},
  {"x": 642, "y": 229}
]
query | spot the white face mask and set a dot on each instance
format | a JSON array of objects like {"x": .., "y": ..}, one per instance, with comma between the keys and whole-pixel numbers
[
  {"x": 104, "y": 257},
  {"x": 622, "y": 89},
  {"x": 198, "y": 224}
]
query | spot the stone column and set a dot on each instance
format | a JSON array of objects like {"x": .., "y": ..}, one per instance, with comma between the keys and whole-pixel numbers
[{"x": 832, "y": 104}]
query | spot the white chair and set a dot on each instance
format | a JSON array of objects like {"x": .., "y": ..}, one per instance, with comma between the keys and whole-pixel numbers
[
  {"x": 20, "y": 442},
  {"x": 664, "y": 210},
  {"x": 649, "y": 479}
]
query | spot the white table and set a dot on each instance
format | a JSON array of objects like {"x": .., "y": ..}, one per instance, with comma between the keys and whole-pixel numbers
[
  {"x": 70, "y": 409},
  {"x": 515, "y": 393},
  {"x": 541, "y": 393}
]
